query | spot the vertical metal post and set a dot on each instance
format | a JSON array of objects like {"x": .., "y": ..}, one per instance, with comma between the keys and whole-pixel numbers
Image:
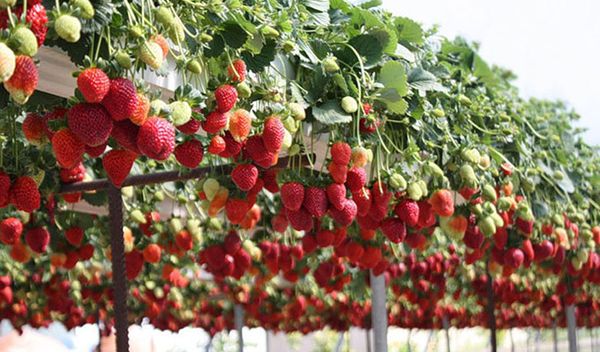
[
  {"x": 490, "y": 311},
  {"x": 369, "y": 346},
  {"x": 554, "y": 335},
  {"x": 512, "y": 340},
  {"x": 446, "y": 325},
  {"x": 340, "y": 342},
  {"x": 238, "y": 312},
  {"x": 115, "y": 210},
  {"x": 409, "y": 348},
  {"x": 572, "y": 326},
  {"x": 379, "y": 317}
]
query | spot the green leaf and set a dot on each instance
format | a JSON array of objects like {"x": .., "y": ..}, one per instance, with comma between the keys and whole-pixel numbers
[
  {"x": 393, "y": 100},
  {"x": 367, "y": 46},
  {"x": 234, "y": 35},
  {"x": 409, "y": 31},
  {"x": 257, "y": 63},
  {"x": 318, "y": 19},
  {"x": 483, "y": 71},
  {"x": 423, "y": 80},
  {"x": 331, "y": 113},
  {"x": 217, "y": 45},
  {"x": 393, "y": 75},
  {"x": 317, "y": 5}
]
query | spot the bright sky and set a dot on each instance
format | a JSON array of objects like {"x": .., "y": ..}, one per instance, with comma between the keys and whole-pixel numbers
[{"x": 553, "y": 46}]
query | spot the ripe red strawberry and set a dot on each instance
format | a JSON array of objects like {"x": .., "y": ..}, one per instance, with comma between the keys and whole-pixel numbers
[
  {"x": 121, "y": 100},
  {"x": 190, "y": 127},
  {"x": 292, "y": 195},
  {"x": 341, "y": 153},
  {"x": 118, "y": 163},
  {"x": 356, "y": 179},
  {"x": 24, "y": 194},
  {"x": 184, "y": 240},
  {"x": 336, "y": 194},
  {"x": 325, "y": 238},
  {"x": 215, "y": 122},
  {"x": 74, "y": 235},
  {"x": 426, "y": 214},
  {"x": 232, "y": 243},
  {"x": 346, "y": 215},
  {"x": 10, "y": 230},
  {"x": 255, "y": 150},
  {"x": 86, "y": 252},
  {"x": 394, "y": 229},
  {"x": 134, "y": 263},
  {"x": 23, "y": 81},
  {"x": 442, "y": 202},
  {"x": 354, "y": 251},
  {"x": 37, "y": 238},
  {"x": 237, "y": 70},
  {"x": 35, "y": 17},
  {"x": 279, "y": 223},
  {"x": 300, "y": 220},
  {"x": 34, "y": 128},
  {"x": 140, "y": 115},
  {"x": 67, "y": 148},
  {"x": 125, "y": 133},
  {"x": 525, "y": 226},
  {"x": 315, "y": 201},
  {"x": 371, "y": 257},
  {"x": 273, "y": 134},
  {"x": 93, "y": 84},
  {"x": 513, "y": 258},
  {"x": 236, "y": 210},
  {"x": 156, "y": 138},
  {"x": 4, "y": 189},
  {"x": 96, "y": 151},
  {"x": 363, "y": 200},
  {"x": 189, "y": 153},
  {"x": 152, "y": 253},
  {"x": 408, "y": 211},
  {"x": 225, "y": 97},
  {"x": 338, "y": 172},
  {"x": 240, "y": 124},
  {"x": 244, "y": 176},
  {"x": 55, "y": 114},
  {"x": 270, "y": 180},
  {"x": 232, "y": 147},
  {"x": 217, "y": 145},
  {"x": 91, "y": 123}
]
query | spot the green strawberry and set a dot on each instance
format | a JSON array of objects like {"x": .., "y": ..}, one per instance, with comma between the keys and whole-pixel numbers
[
  {"x": 194, "y": 66},
  {"x": 137, "y": 216},
  {"x": 414, "y": 190},
  {"x": 438, "y": 112},
  {"x": 181, "y": 112},
  {"x": 471, "y": 155},
  {"x": 176, "y": 31},
  {"x": 397, "y": 182},
  {"x": 290, "y": 124},
  {"x": 164, "y": 16},
  {"x": 123, "y": 59},
  {"x": 159, "y": 196},
  {"x": 7, "y": 62},
  {"x": 175, "y": 225},
  {"x": 433, "y": 169},
  {"x": 330, "y": 64},
  {"x": 157, "y": 106},
  {"x": 86, "y": 9},
  {"x": 297, "y": 111},
  {"x": 7, "y": 3},
  {"x": 288, "y": 46},
  {"x": 210, "y": 188},
  {"x": 489, "y": 193},
  {"x": 270, "y": 32},
  {"x": 151, "y": 54},
  {"x": 487, "y": 226},
  {"x": 206, "y": 38},
  {"x": 68, "y": 28},
  {"x": 243, "y": 90},
  {"x": 23, "y": 41},
  {"x": 349, "y": 104},
  {"x": 467, "y": 175}
]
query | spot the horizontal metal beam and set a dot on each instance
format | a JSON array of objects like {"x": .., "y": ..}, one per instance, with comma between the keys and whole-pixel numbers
[{"x": 161, "y": 177}]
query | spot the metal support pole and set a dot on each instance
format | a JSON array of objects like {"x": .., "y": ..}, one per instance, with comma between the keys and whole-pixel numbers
[
  {"x": 379, "y": 317},
  {"x": 409, "y": 348},
  {"x": 491, "y": 304},
  {"x": 512, "y": 340},
  {"x": 369, "y": 345},
  {"x": 238, "y": 312},
  {"x": 572, "y": 327},
  {"x": 340, "y": 342},
  {"x": 554, "y": 335},
  {"x": 115, "y": 209},
  {"x": 446, "y": 325}
]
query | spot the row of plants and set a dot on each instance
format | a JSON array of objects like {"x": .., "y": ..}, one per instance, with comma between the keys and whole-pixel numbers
[{"x": 407, "y": 154}]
